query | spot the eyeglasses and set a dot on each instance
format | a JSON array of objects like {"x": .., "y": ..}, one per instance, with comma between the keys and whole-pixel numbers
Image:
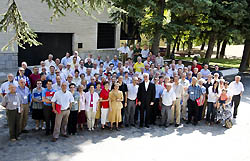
[
  {"x": 71, "y": 87},
  {"x": 39, "y": 83}
]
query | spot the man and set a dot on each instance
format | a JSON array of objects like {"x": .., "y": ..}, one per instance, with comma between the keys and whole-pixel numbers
[
  {"x": 24, "y": 92},
  {"x": 57, "y": 85},
  {"x": 42, "y": 67},
  {"x": 158, "y": 92},
  {"x": 22, "y": 76},
  {"x": 95, "y": 69},
  {"x": 130, "y": 110},
  {"x": 49, "y": 62},
  {"x": 12, "y": 103},
  {"x": 124, "y": 88},
  {"x": 57, "y": 63},
  {"x": 99, "y": 60},
  {"x": 75, "y": 55},
  {"x": 89, "y": 57},
  {"x": 62, "y": 99},
  {"x": 146, "y": 98},
  {"x": 176, "y": 109},
  {"x": 159, "y": 60},
  {"x": 89, "y": 63},
  {"x": 124, "y": 49},
  {"x": 185, "y": 83},
  {"x": 34, "y": 77},
  {"x": 130, "y": 51},
  {"x": 138, "y": 65},
  {"x": 5, "y": 86},
  {"x": 205, "y": 72},
  {"x": 196, "y": 65},
  {"x": 115, "y": 61},
  {"x": 194, "y": 92},
  {"x": 27, "y": 71},
  {"x": 167, "y": 100},
  {"x": 51, "y": 76},
  {"x": 107, "y": 62},
  {"x": 82, "y": 68},
  {"x": 145, "y": 52},
  {"x": 66, "y": 59},
  {"x": 217, "y": 71},
  {"x": 237, "y": 89},
  {"x": 179, "y": 65},
  {"x": 147, "y": 61},
  {"x": 49, "y": 116},
  {"x": 74, "y": 63},
  {"x": 67, "y": 70}
]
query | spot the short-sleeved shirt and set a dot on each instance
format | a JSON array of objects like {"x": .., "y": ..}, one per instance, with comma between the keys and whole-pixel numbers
[
  {"x": 75, "y": 104},
  {"x": 138, "y": 66},
  {"x": 63, "y": 98},
  {"x": 48, "y": 94},
  {"x": 5, "y": 87},
  {"x": 104, "y": 95},
  {"x": 158, "y": 90},
  {"x": 194, "y": 92},
  {"x": 11, "y": 101},
  {"x": 37, "y": 94}
]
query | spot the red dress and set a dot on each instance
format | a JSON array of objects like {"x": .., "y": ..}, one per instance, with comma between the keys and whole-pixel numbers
[{"x": 104, "y": 95}]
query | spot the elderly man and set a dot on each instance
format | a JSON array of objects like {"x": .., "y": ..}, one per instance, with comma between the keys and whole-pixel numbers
[
  {"x": 12, "y": 103},
  {"x": 146, "y": 98},
  {"x": 89, "y": 63},
  {"x": 167, "y": 100},
  {"x": 185, "y": 83},
  {"x": 205, "y": 72},
  {"x": 24, "y": 92},
  {"x": 51, "y": 75},
  {"x": 159, "y": 60},
  {"x": 158, "y": 92},
  {"x": 145, "y": 52},
  {"x": 194, "y": 92},
  {"x": 196, "y": 65},
  {"x": 75, "y": 55},
  {"x": 132, "y": 95},
  {"x": 66, "y": 59},
  {"x": 42, "y": 66},
  {"x": 5, "y": 86},
  {"x": 49, "y": 62},
  {"x": 27, "y": 71},
  {"x": 138, "y": 65},
  {"x": 57, "y": 85},
  {"x": 22, "y": 76},
  {"x": 176, "y": 109},
  {"x": 237, "y": 89},
  {"x": 124, "y": 49},
  {"x": 61, "y": 105},
  {"x": 34, "y": 77},
  {"x": 217, "y": 70},
  {"x": 90, "y": 56},
  {"x": 115, "y": 61}
]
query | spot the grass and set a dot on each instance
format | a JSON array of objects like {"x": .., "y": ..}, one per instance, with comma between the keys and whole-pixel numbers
[{"x": 227, "y": 63}]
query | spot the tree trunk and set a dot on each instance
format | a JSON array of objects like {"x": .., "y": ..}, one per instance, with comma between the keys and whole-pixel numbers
[
  {"x": 158, "y": 26},
  {"x": 175, "y": 43},
  {"x": 183, "y": 45},
  {"x": 203, "y": 45},
  {"x": 190, "y": 46},
  {"x": 210, "y": 48},
  {"x": 178, "y": 45},
  {"x": 245, "y": 56},
  {"x": 223, "y": 49},
  {"x": 218, "y": 48},
  {"x": 168, "y": 49}
]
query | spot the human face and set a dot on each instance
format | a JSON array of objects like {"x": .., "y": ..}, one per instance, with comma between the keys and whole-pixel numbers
[
  {"x": 49, "y": 85},
  {"x": 22, "y": 83},
  {"x": 145, "y": 78},
  {"x": 12, "y": 88},
  {"x": 237, "y": 79},
  {"x": 116, "y": 87},
  {"x": 64, "y": 86},
  {"x": 72, "y": 88},
  {"x": 10, "y": 77},
  {"x": 106, "y": 86},
  {"x": 39, "y": 84},
  {"x": 91, "y": 89}
]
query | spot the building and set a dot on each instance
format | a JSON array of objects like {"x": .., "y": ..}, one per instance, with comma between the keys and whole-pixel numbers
[{"x": 72, "y": 32}]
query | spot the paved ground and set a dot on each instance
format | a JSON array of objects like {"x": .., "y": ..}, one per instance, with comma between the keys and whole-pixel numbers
[{"x": 157, "y": 144}]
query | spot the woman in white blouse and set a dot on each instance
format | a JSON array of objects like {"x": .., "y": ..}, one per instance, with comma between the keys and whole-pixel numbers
[
  {"x": 81, "y": 115},
  {"x": 92, "y": 99},
  {"x": 213, "y": 94}
]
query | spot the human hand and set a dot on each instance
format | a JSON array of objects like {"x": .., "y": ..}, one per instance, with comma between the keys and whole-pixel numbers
[
  {"x": 151, "y": 103},
  {"x": 139, "y": 103}
]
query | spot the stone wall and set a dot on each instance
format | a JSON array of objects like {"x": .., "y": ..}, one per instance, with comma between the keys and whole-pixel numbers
[
  {"x": 102, "y": 53},
  {"x": 8, "y": 61}
]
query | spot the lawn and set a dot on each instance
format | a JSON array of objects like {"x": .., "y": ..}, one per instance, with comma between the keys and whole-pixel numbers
[{"x": 227, "y": 63}]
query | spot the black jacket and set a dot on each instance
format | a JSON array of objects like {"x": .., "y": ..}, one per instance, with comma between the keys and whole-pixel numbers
[{"x": 145, "y": 97}]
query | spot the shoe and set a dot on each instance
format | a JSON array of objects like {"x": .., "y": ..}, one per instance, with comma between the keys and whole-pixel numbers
[
  {"x": 147, "y": 126},
  {"x": 66, "y": 136},
  {"x": 111, "y": 128},
  {"x": 89, "y": 129},
  {"x": 126, "y": 125},
  {"x": 187, "y": 122},
  {"x": 25, "y": 131},
  {"x": 171, "y": 124},
  {"x": 12, "y": 140},
  {"x": 166, "y": 126},
  {"x": 177, "y": 125},
  {"x": 18, "y": 138},
  {"x": 37, "y": 128},
  {"x": 43, "y": 128},
  {"x": 133, "y": 125},
  {"x": 117, "y": 129},
  {"x": 103, "y": 128},
  {"x": 195, "y": 123},
  {"x": 92, "y": 129},
  {"x": 54, "y": 140},
  {"x": 234, "y": 117}
]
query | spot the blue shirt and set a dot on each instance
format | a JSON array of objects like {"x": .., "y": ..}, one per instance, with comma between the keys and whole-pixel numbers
[
  {"x": 48, "y": 94},
  {"x": 115, "y": 62},
  {"x": 24, "y": 93},
  {"x": 65, "y": 60},
  {"x": 158, "y": 91},
  {"x": 51, "y": 77},
  {"x": 194, "y": 92}
]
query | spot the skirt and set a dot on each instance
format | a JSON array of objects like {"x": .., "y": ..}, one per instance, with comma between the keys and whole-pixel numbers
[
  {"x": 37, "y": 114},
  {"x": 81, "y": 118}
]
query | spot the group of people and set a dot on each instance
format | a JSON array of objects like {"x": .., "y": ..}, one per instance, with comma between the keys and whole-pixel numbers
[{"x": 141, "y": 90}]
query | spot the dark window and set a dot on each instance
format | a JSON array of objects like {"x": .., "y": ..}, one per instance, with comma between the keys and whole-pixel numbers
[
  {"x": 79, "y": 45},
  {"x": 106, "y": 35}
]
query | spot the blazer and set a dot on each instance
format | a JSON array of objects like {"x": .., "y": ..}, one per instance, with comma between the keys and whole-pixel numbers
[
  {"x": 145, "y": 97},
  {"x": 95, "y": 100}
]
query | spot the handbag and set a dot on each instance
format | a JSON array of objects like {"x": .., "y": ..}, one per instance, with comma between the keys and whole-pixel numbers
[{"x": 58, "y": 108}]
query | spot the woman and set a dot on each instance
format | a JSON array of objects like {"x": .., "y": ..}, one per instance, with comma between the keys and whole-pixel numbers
[
  {"x": 98, "y": 110},
  {"x": 212, "y": 97},
  {"x": 76, "y": 80},
  {"x": 75, "y": 109},
  {"x": 104, "y": 102},
  {"x": 202, "y": 99},
  {"x": 37, "y": 107},
  {"x": 115, "y": 102},
  {"x": 92, "y": 99},
  {"x": 81, "y": 119}
]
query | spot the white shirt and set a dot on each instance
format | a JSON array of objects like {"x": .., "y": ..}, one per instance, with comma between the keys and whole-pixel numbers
[
  {"x": 184, "y": 83},
  {"x": 130, "y": 53},
  {"x": 66, "y": 72},
  {"x": 82, "y": 70},
  {"x": 168, "y": 97},
  {"x": 123, "y": 49},
  {"x": 93, "y": 71},
  {"x": 49, "y": 63},
  {"x": 77, "y": 60},
  {"x": 205, "y": 73},
  {"x": 77, "y": 81},
  {"x": 212, "y": 97},
  {"x": 132, "y": 91},
  {"x": 56, "y": 87},
  {"x": 178, "y": 89},
  {"x": 146, "y": 85},
  {"x": 177, "y": 66},
  {"x": 5, "y": 87},
  {"x": 236, "y": 88},
  {"x": 63, "y": 99},
  {"x": 144, "y": 53},
  {"x": 88, "y": 101}
]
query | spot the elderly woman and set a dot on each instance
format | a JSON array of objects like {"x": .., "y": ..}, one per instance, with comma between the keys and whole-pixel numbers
[
  {"x": 104, "y": 104},
  {"x": 115, "y": 102},
  {"x": 81, "y": 115}
]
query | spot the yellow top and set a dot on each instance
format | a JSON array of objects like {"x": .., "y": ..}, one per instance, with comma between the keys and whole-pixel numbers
[{"x": 138, "y": 66}]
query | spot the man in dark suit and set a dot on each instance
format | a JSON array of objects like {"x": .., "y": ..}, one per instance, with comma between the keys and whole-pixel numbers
[{"x": 146, "y": 98}]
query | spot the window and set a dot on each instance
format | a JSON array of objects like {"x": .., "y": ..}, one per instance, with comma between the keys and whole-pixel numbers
[{"x": 105, "y": 35}]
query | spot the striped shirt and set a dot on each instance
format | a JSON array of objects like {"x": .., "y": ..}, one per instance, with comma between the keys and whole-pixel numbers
[{"x": 194, "y": 92}]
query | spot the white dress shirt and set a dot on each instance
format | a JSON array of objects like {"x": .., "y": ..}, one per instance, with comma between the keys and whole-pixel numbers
[
  {"x": 49, "y": 63},
  {"x": 168, "y": 97},
  {"x": 146, "y": 85},
  {"x": 132, "y": 91},
  {"x": 236, "y": 88}
]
